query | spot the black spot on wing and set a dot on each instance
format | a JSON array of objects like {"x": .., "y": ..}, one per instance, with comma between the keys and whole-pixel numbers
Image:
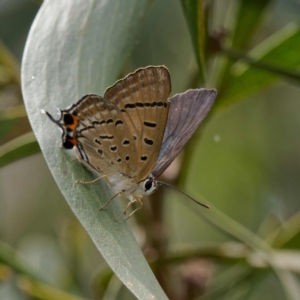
[
  {"x": 106, "y": 137},
  {"x": 86, "y": 128},
  {"x": 146, "y": 104},
  {"x": 129, "y": 105},
  {"x": 68, "y": 145},
  {"x": 149, "y": 124},
  {"x": 69, "y": 142},
  {"x": 148, "y": 141},
  {"x": 98, "y": 122}
]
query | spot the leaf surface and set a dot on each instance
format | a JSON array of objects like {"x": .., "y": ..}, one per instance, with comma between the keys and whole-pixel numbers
[{"x": 75, "y": 48}]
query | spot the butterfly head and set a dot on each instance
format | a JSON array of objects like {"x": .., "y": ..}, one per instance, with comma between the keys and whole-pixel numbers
[{"x": 149, "y": 185}]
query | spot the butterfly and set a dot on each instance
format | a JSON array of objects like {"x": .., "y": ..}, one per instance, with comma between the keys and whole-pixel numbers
[{"x": 132, "y": 134}]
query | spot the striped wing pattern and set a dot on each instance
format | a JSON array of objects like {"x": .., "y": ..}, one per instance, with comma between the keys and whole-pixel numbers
[
  {"x": 142, "y": 100},
  {"x": 122, "y": 132}
]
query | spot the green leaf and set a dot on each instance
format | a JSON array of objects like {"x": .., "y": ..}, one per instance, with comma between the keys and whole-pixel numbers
[
  {"x": 262, "y": 251},
  {"x": 248, "y": 19},
  {"x": 9, "y": 257},
  {"x": 194, "y": 15},
  {"x": 241, "y": 25},
  {"x": 12, "y": 113},
  {"x": 290, "y": 74},
  {"x": 76, "y": 48},
  {"x": 290, "y": 284},
  {"x": 28, "y": 281},
  {"x": 285, "y": 232},
  {"x": 9, "y": 118},
  {"x": 9, "y": 67},
  {"x": 18, "y": 148},
  {"x": 279, "y": 50}
]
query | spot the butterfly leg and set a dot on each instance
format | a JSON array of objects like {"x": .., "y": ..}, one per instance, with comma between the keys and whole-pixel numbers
[
  {"x": 127, "y": 206},
  {"x": 93, "y": 181},
  {"x": 111, "y": 198},
  {"x": 139, "y": 200}
]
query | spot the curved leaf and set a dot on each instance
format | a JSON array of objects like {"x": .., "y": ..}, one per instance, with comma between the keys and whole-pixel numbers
[
  {"x": 20, "y": 147},
  {"x": 9, "y": 67},
  {"x": 278, "y": 50},
  {"x": 248, "y": 19},
  {"x": 75, "y": 48},
  {"x": 194, "y": 16}
]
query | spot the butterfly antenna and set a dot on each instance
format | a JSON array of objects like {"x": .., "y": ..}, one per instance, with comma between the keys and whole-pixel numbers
[
  {"x": 182, "y": 192},
  {"x": 49, "y": 116}
]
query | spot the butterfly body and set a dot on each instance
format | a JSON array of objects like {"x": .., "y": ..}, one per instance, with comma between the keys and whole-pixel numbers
[
  {"x": 131, "y": 134},
  {"x": 128, "y": 186}
]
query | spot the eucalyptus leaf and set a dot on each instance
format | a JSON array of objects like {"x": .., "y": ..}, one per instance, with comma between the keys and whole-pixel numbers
[{"x": 75, "y": 48}]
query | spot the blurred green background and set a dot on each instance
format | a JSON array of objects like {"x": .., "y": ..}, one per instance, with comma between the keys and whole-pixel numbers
[{"x": 244, "y": 162}]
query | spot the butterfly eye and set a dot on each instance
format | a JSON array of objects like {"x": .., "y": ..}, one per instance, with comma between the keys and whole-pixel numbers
[{"x": 149, "y": 186}]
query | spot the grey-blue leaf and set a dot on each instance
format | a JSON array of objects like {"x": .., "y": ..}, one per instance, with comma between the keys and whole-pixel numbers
[{"x": 75, "y": 48}]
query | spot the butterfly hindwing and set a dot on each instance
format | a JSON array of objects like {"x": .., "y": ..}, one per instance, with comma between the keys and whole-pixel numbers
[
  {"x": 187, "y": 111},
  {"x": 100, "y": 135}
]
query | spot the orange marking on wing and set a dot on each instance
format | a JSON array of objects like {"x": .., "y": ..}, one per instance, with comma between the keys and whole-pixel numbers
[
  {"x": 73, "y": 141},
  {"x": 75, "y": 123}
]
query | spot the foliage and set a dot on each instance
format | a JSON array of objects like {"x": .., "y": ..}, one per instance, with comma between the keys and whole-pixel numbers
[{"x": 244, "y": 160}]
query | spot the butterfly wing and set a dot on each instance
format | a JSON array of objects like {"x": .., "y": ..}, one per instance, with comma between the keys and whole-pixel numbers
[
  {"x": 142, "y": 99},
  {"x": 122, "y": 132},
  {"x": 187, "y": 111},
  {"x": 96, "y": 128}
]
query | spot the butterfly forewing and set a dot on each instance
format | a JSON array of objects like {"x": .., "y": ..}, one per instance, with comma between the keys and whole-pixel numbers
[{"x": 141, "y": 98}]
